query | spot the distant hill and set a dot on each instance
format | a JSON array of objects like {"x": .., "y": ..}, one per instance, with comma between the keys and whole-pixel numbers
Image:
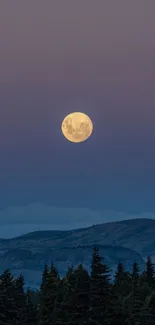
[
  {"x": 136, "y": 234},
  {"x": 125, "y": 241}
]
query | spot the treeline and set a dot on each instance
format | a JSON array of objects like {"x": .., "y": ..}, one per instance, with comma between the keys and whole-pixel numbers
[{"x": 80, "y": 298}]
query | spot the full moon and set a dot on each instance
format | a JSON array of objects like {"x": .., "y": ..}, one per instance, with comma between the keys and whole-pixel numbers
[{"x": 77, "y": 127}]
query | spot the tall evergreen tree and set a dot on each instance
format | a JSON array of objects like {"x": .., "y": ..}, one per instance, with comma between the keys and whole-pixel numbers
[
  {"x": 66, "y": 310},
  {"x": 135, "y": 274},
  {"x": 100, "y": 291},
  {"x": 81, "y": 297},
  {"x": 19, "y": 296},
  {"x": 71, "y": 278},
  {"x": 150, "y": 272},
  {"x": 120, "y": 274},
  {"x": 43, "y": 310},
  {"x": 133, "y": 304},
  {"x": 8, "y": 311},
  {"x": 30, "y": 314},
  {"x": 74, "y": 308},
  {"x": 122, "y": 280},
  {"x": 53, "y": 287},
  {"x": 48, "y": 295}
]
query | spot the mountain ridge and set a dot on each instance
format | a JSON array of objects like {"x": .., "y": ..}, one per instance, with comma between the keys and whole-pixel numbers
[{"x": 125, "y": 241}]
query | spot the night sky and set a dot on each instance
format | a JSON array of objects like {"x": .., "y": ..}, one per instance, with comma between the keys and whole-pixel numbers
[{"x": 97, "y": 57}]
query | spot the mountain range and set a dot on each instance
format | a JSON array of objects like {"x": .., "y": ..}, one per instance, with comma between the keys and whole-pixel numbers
[{"x": 124, "y": 241}]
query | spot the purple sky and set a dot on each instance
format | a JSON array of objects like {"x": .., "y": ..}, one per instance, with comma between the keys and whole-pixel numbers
[{"x": 92, "y": 56}]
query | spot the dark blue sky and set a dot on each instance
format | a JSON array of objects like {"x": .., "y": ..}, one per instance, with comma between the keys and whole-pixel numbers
[{"x": 63, "y": 58}]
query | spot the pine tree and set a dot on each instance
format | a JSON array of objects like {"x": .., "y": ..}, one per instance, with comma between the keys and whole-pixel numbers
[
  {"x": 100, "y": 291},
  {"x": 71, "y": 278},
  {"x": 53, "y": 286},
  {"x": 66, "y": 310},
  {"x": 120, "y": 274},
  {"x": 134, "y": 299},
  {"x": 43, "y": 310},
  {"x": 8, "y": 311},
  {"x": 135, "y": 275},
  {"x": 119, "y": 291},
  {"x": 49, "y": 287},
  {"x": 122, "y": 281},
  {"x": 81, "y": 296},
  {"x": 150, "y": 272},
  {"x": 74, "y": 307},
  {"x": 30, "y": 314},
  {"x": 19, "y": 296}
]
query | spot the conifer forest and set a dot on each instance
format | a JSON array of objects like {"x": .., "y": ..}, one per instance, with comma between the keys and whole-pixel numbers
[{"x": 81, "y": 298}]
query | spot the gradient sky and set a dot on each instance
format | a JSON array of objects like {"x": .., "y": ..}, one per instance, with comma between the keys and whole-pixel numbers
[{"x": 92, "y": 56}]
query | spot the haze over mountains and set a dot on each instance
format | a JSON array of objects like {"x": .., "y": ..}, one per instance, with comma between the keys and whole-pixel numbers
[
  {"x": 18, "y": 220},
  {"x": 125, "y": 241}
]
